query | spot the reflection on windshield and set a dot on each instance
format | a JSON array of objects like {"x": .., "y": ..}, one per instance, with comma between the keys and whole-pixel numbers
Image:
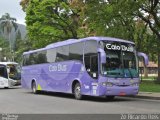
[
  {"x": 3, "y": 71},
  {"x": 119, "y": 62},
  {"x": 14, "y": 72}
]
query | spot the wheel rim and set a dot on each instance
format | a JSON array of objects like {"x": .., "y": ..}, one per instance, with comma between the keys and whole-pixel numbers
[
  {"x": 78, "y": 91},
  {"x": 34, "y": 88}
]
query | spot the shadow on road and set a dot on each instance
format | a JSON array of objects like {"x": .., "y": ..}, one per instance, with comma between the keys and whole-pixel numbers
[
  {"x": 15, "y": 87},
  {"x": 85, "y": 98}
]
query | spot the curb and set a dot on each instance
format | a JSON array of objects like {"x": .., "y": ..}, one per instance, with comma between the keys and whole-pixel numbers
[{"x": 147, "y": 95}]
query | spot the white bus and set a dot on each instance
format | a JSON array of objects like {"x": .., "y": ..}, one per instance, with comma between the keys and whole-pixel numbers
[{"x": 9, "y": 74}]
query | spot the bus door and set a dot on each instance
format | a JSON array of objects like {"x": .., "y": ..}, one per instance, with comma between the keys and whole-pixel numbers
[
  {"x": 91, "y": 64},
  {"x": 94, "y": 66}
]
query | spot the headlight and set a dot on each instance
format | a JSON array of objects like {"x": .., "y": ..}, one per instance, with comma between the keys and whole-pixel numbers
[
  {"x": 135, "y": 84},
  {"x": 108, "y": 84}
]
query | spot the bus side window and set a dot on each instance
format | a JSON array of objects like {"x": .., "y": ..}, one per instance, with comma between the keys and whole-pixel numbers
[
  {"x": 76, "y": 51},
  {"x": 41, "y": 57},
  {"x": 26, "y": 60},
  {"x": 62, "y": 53},
  {"x": 32, "y": 59},
  {"x": 51, "y": 55},
  {"x": 91, "y": 58}
]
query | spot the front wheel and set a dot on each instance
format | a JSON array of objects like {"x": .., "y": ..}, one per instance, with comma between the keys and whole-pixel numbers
[
  {"x": 77, "y": 91},
  {"x": 34, "y": 88}
]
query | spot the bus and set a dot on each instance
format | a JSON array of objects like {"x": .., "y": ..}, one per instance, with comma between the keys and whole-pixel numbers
[
  {"x": 9, "y": 74},
  {"x": 94, "y": 66}
]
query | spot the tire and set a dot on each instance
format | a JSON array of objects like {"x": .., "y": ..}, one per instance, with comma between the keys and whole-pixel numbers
[
  {"x": 34, "y": 87},
  {"x": 77, "y": 91},
  {"x": 110, "y": 98}
]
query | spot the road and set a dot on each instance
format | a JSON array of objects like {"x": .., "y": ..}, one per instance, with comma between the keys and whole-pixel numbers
[{"x": 22, "y": 101}]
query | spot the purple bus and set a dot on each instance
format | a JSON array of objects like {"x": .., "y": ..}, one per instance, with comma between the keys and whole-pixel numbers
[{"x": 94, "y": 66}]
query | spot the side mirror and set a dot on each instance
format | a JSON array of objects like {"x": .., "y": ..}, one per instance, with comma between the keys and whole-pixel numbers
[
  {"x": 102, "y": 55},
  {"x": 88, "y": 70},
  {"x": 8, "y": 69},
  {"x": 145, "y": 57}
]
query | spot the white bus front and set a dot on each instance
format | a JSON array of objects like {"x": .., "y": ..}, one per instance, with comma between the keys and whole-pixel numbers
[{"x": 9, "y": 75}]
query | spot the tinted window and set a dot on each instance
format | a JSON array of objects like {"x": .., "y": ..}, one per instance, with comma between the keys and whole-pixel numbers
[
  {"x": 33, "y": 59},
  {"x": 3, "y": 71},
  {"x": 71, "y": 52},
  {"x": 76, "y": 51},
  {"x": 51, "y": 55},
  {"x": 41, "y": 57},
  {"x": 62, "y": 53},
  {"x": 94, "y": 63},
  {"x": 90, "y": 47},
  {"x": 26, "y": 60}
]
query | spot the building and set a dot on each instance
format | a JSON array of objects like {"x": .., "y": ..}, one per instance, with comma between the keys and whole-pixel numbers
[{"x": 152, "y": 68}]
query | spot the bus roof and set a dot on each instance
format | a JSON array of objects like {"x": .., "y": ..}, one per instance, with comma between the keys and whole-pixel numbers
[
  {"x": 71, "y": 41},
  {"x": 6, "y": 63}
]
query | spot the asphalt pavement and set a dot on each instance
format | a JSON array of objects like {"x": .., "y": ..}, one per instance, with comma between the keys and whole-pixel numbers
[
  {"x": 22, "y": 101},
  {"x": 148, "y": 95}
]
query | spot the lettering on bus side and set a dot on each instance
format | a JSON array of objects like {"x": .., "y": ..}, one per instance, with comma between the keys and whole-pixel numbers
[{"x": 58, "y": 67}]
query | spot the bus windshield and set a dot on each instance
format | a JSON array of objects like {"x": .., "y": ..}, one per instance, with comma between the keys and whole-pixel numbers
[
  {"x": 121, "y": 60},
  {"x": 14, "y": 72},
  {"x": 3, "y": 71}
]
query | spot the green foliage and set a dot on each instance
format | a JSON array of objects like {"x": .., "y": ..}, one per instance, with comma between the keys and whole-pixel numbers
[
  {"x": 149, "y": 86},
  {"x": 21, "y": 46},
  {"x": 56, "y": 20},
  {"x": 5, "y": 53},
  {"x": 7, "y": 23},
  {"x": 126, "y": 19},
  {"x": 50, "y": 21}
]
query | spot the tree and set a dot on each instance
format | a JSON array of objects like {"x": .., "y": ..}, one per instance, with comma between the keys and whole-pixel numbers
[
  {"x": 7, "y": 23},
  {"x": 148, "y": 12},
  {"x": 4, "y": 53},
  {"x": 24, "y": 4},
  {"x": 50, "y": 21},
  {"x": 111, "y": 19},
  {"x": 53, "y": 20},
  {"x": 21, "y": 46},
  {"x": 18, "y": 39}
]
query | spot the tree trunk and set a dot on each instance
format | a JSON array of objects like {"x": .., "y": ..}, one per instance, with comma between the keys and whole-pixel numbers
[
  {"x": 158, "y": 79},
  {"x": 145, "y": 71}
]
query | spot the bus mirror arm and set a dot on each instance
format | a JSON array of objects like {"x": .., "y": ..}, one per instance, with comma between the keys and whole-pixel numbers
[
  {"x": 145, "y": 57},
  {"x": 102, "y": 55}
]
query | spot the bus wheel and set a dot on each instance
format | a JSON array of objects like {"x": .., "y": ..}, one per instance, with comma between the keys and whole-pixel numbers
[
  {"x": 34, "y": 87},
  {"x": 110, "y": 98},
  {"x": 77, "y": 91}
]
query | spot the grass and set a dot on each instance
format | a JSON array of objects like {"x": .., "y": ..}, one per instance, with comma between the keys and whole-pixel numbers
[
  {"x": 149, "y": 78},
  {"x": 149, "y": 86}
]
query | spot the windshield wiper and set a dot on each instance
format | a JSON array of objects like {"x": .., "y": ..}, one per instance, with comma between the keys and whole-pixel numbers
[{"x": 130, "y": 73}]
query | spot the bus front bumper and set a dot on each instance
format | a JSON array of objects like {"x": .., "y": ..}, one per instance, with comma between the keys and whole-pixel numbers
[
  {"x": 17, "y": 82},
  {"x": 115, "y": 91}
]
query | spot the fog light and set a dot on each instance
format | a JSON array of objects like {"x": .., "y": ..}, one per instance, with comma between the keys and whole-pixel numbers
[{"x": 135, "y": 84}]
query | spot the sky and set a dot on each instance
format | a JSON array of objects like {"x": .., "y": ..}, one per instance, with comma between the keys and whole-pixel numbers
[{"x": 13, "y": 8}]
